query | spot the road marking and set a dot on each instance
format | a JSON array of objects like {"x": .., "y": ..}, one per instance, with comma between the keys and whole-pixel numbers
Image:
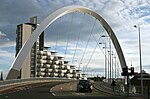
[
  {"x": 53, "y": 94},
  {"x": 78, "y": 93},
  {"x": 51, "y": 90}
]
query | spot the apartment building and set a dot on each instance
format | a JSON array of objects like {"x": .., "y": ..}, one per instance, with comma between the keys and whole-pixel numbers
[{"x": 41, "y": 62}]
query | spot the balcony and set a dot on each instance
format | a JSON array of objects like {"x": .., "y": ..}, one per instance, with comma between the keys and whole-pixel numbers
[
  {"x": 49, "y": 70},
  {"x": 55, "y": 58},
  {"x": 67, "y": 66},
  {"x": 44, "y": 53},
  {"x": 47, "y": 65},
  {"x": 72, "y": 66},
  {"x": 61, "y": 67},
  {"x": 54, "y": 74},
  {"x": 49, "y": 53},
  {"x": 41, "y": 69},
  {"x": 48, "y": 74},
  {"x": 48, "y": 62},
  {"x": 41, "y": 73},
  {"x": 75, "y": 75},
  {"x": 55, "y": 70},
  {"x": 40, "y": 52},
  {"x": 61, "y": 62},
  {"x": 56, "y": 62},
  {"x": 69, "y": 71},
  {"x": 44, "y": 57},
  {"x": 68, "y": 75},
  {"x": 60, "y": 58},
  {"x": 39, "y": 65},
  {"x": 62, "y": 71},
  {"x": 55, "y": 66},
  {"x": 39, "y": 56},
  {"x": 61, "y": 74}
]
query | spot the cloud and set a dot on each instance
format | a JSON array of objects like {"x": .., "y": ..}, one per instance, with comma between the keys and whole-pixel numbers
[{"x": 3, "y": 37}]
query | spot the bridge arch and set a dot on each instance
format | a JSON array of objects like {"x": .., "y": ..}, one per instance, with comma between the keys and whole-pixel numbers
[{"x": 16, "y": 66}]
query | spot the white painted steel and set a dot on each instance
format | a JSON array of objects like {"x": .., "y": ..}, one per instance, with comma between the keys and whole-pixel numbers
[{"x": 50, "y": 19}]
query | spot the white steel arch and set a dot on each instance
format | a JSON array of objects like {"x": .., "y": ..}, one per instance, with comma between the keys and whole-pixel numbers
[{"x": 16, "y": 66}]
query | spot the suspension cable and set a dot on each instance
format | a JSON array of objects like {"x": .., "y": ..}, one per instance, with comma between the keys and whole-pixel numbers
[
  {"x": 92, "y": 54},
  {"x": 87, "y": 43},
  {"x": 97, "y": 43},
  {"x": 57, "y": 36},
  {"x": 68, "y": 35},
  {"x": 81, "y": 24},
  {"x": 96, "y": 46}
]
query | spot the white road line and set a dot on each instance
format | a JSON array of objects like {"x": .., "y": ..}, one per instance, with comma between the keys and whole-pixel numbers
[
  {"x": 50, "y": 90},
  {"x": 53, "y": 94}
]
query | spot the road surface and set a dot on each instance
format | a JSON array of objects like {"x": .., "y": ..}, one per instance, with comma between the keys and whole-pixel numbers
[{"x": 51, "y": 91}]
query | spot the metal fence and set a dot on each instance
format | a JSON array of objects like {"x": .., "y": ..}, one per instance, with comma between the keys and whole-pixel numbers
[{"x": 16, "y": 82}]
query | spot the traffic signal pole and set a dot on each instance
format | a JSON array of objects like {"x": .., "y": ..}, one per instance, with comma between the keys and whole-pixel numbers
[
  {"x": 127, "y": 84},
  {"x": 127, "y": 74}
]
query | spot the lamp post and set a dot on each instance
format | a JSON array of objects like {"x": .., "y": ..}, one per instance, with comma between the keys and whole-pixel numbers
[
  {"x": 138, "y": 27},
  {"x": 110, "y": 59},
  {"x": 112, "y": 66},
  {"x": 105, "y": 60},
  {"x": 109, "y": 64},
  {"x": 115, "y": 66}
]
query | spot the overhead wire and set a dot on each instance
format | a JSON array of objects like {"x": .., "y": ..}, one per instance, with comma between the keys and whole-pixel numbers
[
  {"x": 57, "y": 36},
  {"x": 97, "y": 43},
  {"x": 69, "y": 29},
  {"x": 81, "y": 24},
  {"x": 92, "y": 54},
  {"x": 87, "y": 43}
]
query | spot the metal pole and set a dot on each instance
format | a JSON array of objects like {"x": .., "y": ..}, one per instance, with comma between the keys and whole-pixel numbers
[
  {"x": 140, "y": 57},
  {"x": 140, "y": 61},
  {"x": 115, "y": 67},
  {"x": 127, "y": 84},
  {"x": 108, "y": 66},
  {"x": 110, "y": 58},
  {"x": 105, "y": 58},
  {"x": 105, "y": 63},
  {"x": 112, "y": 65}
]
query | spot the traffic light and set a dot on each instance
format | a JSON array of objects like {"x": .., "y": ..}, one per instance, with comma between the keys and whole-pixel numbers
[
  {"x": 125, "y": 71},
  {"x": 132, "y": 71}
]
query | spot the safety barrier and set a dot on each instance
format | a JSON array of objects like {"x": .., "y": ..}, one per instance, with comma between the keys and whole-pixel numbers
[{"x": 7, "y": 84}]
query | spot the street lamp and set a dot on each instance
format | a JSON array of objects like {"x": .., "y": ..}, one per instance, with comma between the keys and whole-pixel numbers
[
  {"x": 109, "y": 55},
  {"x": 108, "y": 65},
  {"x": 115, "y": 66},
  {"x": 105, "y": 60},
  {"x": 138, "y": 27},
  {"x": 112, "y": 65}
]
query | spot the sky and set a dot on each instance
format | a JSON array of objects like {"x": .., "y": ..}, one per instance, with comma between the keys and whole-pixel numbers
[{"x": 121, "y": 15}]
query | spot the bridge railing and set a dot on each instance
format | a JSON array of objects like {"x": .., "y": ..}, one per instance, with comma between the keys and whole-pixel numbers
[{"x": 17, "y": 82}]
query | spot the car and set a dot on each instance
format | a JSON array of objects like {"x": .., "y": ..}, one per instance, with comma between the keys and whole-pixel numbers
[{"x": 84, "y": 86}]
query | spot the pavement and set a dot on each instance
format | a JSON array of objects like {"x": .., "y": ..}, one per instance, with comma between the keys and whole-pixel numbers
[{"x": 69, "y": 89}]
